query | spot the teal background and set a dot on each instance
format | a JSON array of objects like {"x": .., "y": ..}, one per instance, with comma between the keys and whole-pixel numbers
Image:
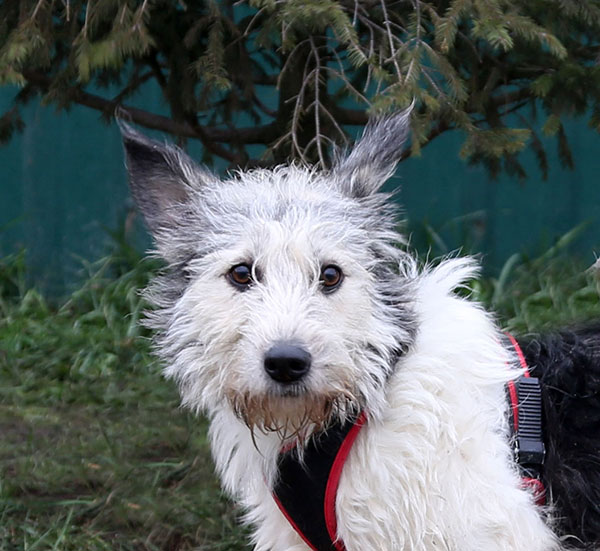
[{"x": 63, "y": 185}]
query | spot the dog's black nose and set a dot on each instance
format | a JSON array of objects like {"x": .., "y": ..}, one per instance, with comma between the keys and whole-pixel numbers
[{"x": 287, "y": 363}]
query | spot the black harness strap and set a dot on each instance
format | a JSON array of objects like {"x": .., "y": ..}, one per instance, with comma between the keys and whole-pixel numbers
[{"x": 306, "y": 488}]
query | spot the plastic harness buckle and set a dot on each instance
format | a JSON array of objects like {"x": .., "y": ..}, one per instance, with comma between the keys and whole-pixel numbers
[{"x": 528, "y": 443}]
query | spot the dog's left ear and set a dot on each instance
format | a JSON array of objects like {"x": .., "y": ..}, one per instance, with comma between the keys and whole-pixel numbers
[{"x": 373, "y": 159}]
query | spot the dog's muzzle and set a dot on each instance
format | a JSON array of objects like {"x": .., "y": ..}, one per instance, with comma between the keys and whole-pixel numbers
[{"x": 287, "y": 363}]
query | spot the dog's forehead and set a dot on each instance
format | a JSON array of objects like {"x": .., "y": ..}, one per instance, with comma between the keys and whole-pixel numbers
[
  {"x": 289, "y": 214},
  {"x": 292, "y": 197},
  {"x": 285, "y": 187}
]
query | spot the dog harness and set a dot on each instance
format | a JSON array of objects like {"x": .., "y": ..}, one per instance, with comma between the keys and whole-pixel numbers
[
  {"x": 306, "y": 486},
  {"x": 525, "y": 399}
]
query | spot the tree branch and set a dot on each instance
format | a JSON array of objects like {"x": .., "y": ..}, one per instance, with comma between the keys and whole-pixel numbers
[
  {"x": 249, "y": 135},
  {"x": 134, "y": 84},
  {"x": 214, "y": 147},
  {"x": 512, "y": 97},
  {"x": 353, "y": 117},
  {"x": 438, "y": 129}
]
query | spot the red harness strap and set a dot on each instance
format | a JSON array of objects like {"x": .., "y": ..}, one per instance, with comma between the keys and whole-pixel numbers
[
  {"x": 334, "y": 480},
  {"x": 512, "y": 388}
]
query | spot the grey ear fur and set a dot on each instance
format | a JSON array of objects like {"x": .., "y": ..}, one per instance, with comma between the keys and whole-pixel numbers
[
  {"x": 160, "y": 177},
  {"x": 374, "y": 157}
]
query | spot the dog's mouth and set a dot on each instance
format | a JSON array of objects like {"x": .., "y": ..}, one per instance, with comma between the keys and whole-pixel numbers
[
  {"x": 292, "y": 411},
  {"x": 291, "y": 391}
]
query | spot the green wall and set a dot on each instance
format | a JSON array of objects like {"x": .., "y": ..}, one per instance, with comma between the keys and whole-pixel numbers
[
  {"x": 506, "y": 216},
  {"x": 63, "y": 183}
]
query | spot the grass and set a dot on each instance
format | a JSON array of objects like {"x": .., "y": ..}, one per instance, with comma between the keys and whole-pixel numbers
[
  {"x": 95, "y": 454},
  {"x": 541, "y": 294}
]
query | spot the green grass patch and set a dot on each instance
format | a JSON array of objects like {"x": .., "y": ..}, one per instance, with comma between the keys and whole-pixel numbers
[
  {"x": 542, "y": 294},
  {"x": 95, "y": 453},
  {"x": 79, "y": 477}
]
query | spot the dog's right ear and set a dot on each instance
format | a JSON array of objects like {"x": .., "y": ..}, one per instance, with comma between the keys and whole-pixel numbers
[
  {"x": 160, "y": 177},
  {"x": 374, "y": 157}
]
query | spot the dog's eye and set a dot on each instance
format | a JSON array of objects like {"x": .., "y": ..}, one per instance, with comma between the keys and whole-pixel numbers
[
  {"x": 331, "y": 277},
  {"x": 240, "y": 276}
]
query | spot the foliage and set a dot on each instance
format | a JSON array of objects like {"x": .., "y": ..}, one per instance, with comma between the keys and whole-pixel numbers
[
  {"x": 83, "y": 342},
  {"x": 293, "y": 76},
  {"x": 94, "y": 453},
  {"x": 84, "y": 477},
  {"x": 531, "y": 295}
]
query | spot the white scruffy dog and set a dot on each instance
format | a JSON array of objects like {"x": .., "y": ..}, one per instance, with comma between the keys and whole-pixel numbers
[{"x": 289, "y": 305}]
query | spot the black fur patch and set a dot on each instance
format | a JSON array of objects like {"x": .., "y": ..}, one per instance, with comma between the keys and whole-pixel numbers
[{"x": 568, "y": 365}]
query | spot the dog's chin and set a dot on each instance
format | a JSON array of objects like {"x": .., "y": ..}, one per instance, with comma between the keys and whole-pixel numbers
[{"x": 291, "y": 411}]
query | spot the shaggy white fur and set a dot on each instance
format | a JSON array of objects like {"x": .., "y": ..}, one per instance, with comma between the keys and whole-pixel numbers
[{"x": 432, "y": 470}]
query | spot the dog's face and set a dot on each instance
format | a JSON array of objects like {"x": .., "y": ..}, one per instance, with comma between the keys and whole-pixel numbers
[{"x": 285, "y": 297}]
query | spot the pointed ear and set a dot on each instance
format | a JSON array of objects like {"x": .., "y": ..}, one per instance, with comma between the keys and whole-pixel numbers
[
  {"x": 373, "y": 159},
  {"x": 160, "y": 177}
]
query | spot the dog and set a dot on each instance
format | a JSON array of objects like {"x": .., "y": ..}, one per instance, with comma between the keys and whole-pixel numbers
[{"x": 356, "y": 401}]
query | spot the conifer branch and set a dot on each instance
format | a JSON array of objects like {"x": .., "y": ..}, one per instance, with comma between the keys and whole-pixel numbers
[
  {"x": 305, "y": 72},
  {"x": 249, "y": 135}
]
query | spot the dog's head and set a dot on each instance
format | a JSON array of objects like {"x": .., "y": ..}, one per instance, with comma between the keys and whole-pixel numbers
[{"x": 286, "y": 295}]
